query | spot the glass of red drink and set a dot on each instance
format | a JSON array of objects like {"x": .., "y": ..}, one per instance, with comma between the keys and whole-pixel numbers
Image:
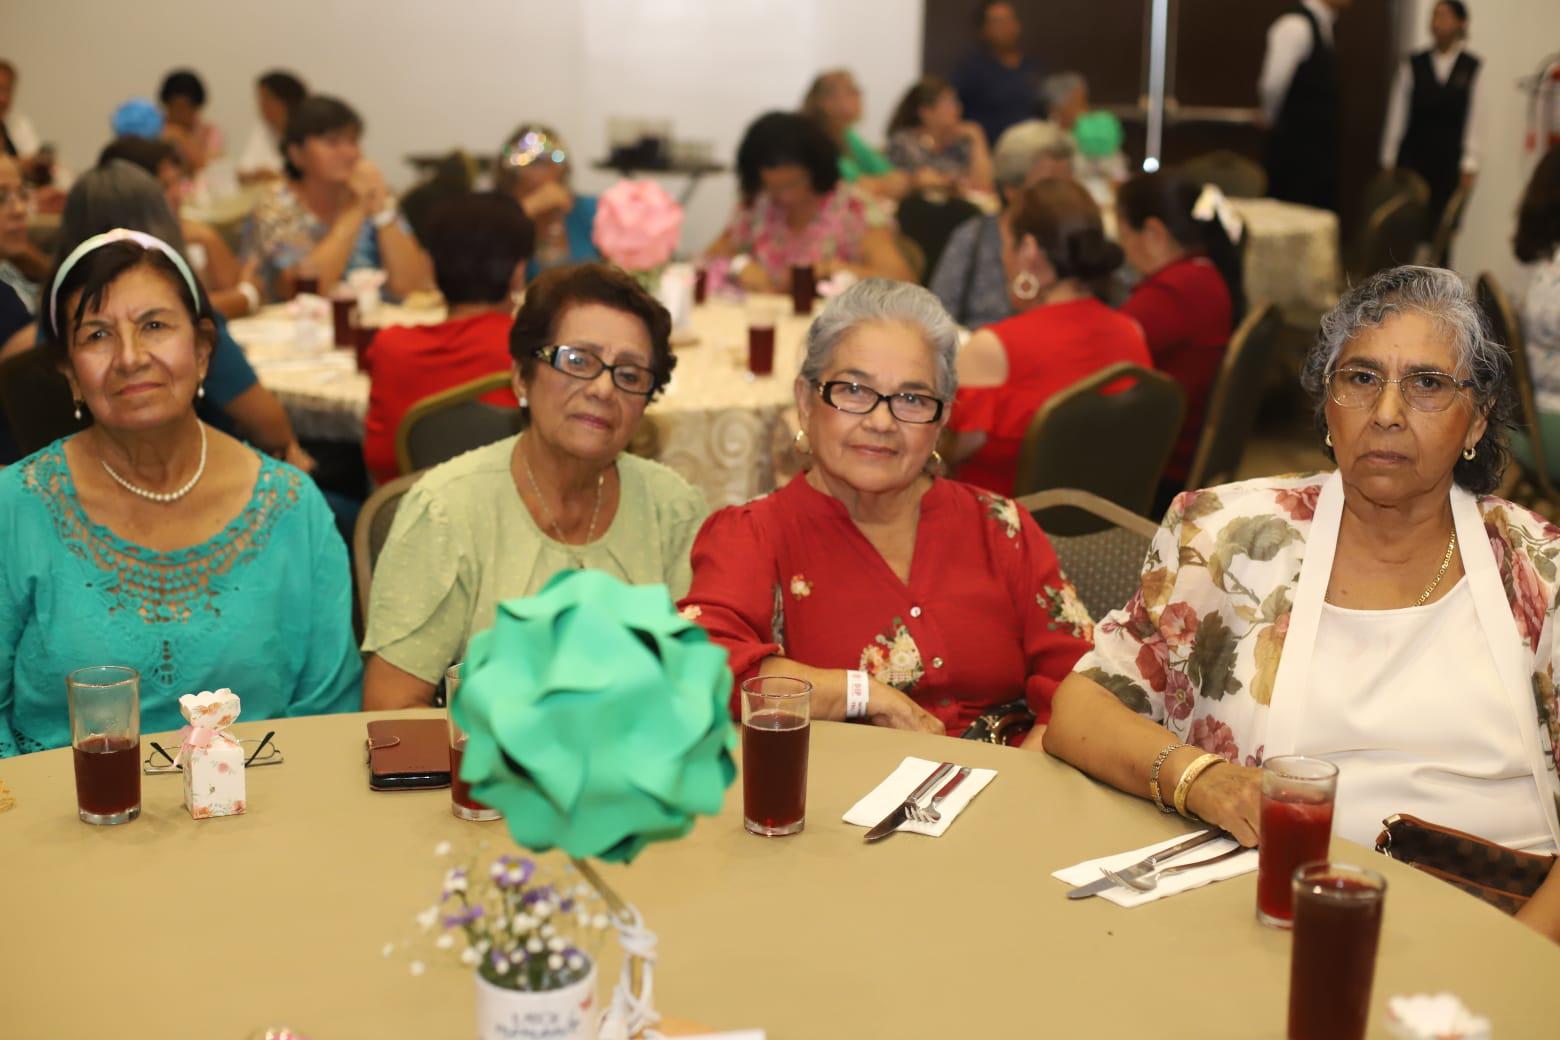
[
  {"x": 804, "y": 289},
  {"x": 1332, "y": 963},
  {"x": 761, "y": 319},
  {"x": 1297, "y": 812},
  {"x": 776, "y": 710},
  {"x": 461, "y": 802},
  {"x": 105, "y": 738},
  {"x": 343, "y": 304},
  {"x": 701, "y": 284}
]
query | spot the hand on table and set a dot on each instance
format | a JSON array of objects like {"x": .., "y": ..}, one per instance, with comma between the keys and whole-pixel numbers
[
  {"x": 886, "y": 706},
  {"x": 1229, "y": 796}
]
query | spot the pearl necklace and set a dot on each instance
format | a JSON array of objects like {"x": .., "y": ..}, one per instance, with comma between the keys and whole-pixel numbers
[
  {"x": 1446, "y": 561},
  {"x": 169, "y": 496},
  {"x": 590, "y": 532}
]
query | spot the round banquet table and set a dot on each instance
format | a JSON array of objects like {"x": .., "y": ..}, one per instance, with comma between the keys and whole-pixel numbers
[
  {"x": 714, "y": 422},
  {"x": 171, "y": 928}
]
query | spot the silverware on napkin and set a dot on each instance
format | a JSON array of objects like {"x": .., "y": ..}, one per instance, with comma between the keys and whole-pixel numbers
[
  {"x": 892, "y": 822},
  {"x": 1147, "y": 863}
]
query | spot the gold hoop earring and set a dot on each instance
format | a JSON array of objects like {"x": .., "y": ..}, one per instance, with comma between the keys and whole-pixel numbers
[
  {"x": 1026, "y": 286},
  {"x": 1470, "y": 454},
  {"x": 799, "y": 443},
  {"x": 1328, "y": 439},
  {"x": 937, "y": 462}
]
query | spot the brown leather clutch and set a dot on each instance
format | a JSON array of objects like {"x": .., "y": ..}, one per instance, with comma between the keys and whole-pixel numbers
[
  {"x": 408, "y": 754},
  {"x": 1502, "y": 877}
]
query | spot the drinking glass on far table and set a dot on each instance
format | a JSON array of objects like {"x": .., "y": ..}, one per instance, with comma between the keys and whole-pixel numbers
[
  {"x": 804, "y": 289},
  {"x": 1337, "y": 922},
  {"x": 461, "y": 802},
  {"x": 105, "y": 737},
  {"x": 1297, "y": 812},
  {"x": 761, "y": 321},
  {"x": 776, "y": 711}
]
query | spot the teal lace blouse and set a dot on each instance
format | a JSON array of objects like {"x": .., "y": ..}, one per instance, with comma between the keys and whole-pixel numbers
[{"x": 264, "y": 607}]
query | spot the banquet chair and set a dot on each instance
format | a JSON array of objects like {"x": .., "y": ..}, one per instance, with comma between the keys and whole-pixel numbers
[
  {"x": 1232, "y": 173},
  {"x": 1236, "y": 398},
  {"x": 1392, "y": 235},
  {"x": 36, "y": 401},
  {"x": 1534, "y": 485},
  {"x": 373, "y": 527},
  {"x": 451, "y": 422},
  {"x": 929, "y": 223},
  {"x": 1387, "y": 185},
  {"x": 1104, "y": 567},
  {"x": 1446, "y": 231},
  {"x": 1109, "y": 434}
]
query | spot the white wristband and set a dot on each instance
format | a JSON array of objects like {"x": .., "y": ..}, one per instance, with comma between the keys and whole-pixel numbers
[
  {"x": 855, "y": 695},
  {"x": 386, "y": 216},
  {"x": 738, "y": 264},
  {"x": 251, "y": 296}
]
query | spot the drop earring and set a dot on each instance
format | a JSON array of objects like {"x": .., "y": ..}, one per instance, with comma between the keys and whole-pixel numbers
[
  {"x": 77, "y": 403},
  {"x": 1328, "y": 439},
  {"x": 1025, "y": 286},
  {"x": 200, "y": 391}
]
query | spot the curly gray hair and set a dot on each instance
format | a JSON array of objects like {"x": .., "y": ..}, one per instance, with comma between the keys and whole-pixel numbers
[
  {"x": 880, "y": 299},
  {"x": 1443, "y": 298}
]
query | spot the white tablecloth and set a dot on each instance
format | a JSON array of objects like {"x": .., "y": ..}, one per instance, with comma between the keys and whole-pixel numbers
[
  {"x": 1292, "y": 257},
  {"x": 714, "y": 422}
]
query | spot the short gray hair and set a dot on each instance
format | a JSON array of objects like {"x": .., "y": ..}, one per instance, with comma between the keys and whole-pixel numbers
[
  {"x": 1440, "y": 296},
  {"x": 880, "y": 299},
  {"x": 1058, "y": 87},
  {"x": 1024, "y": 144}
]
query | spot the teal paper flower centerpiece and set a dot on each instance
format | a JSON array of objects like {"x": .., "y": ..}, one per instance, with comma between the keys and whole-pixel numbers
[{"x": 596, "y": 718}]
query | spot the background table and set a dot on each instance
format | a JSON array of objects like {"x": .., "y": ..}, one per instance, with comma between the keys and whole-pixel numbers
[
  {"x": 714, "y": 422},
  {"x": 170, "y": 928}
]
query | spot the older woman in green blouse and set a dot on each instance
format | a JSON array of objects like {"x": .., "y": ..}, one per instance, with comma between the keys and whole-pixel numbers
[{"x": 590, "y": 348}]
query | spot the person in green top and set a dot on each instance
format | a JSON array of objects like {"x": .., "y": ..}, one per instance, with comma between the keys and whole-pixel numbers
[
  {"x": 834, "y": 103},
  {"x": 590, "y": 348}
]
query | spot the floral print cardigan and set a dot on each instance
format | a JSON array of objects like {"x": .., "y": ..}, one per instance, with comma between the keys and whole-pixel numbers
[{"x": 1216, "y": 643}]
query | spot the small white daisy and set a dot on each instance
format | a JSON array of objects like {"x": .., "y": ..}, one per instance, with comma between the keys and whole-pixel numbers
[
  {"x": 442, "y": 849},
  {"x": 418, "y": 967}
]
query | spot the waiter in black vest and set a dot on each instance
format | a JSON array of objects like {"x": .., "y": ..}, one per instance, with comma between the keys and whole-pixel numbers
[
  {"x": 1433, "y": 118},
  {"x": 1300, "y": 95}
]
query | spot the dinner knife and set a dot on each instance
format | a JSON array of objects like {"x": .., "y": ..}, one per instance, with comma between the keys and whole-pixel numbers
[
  {"x": 890, "y": 823},
  {"x": 1147, "y": 863}
]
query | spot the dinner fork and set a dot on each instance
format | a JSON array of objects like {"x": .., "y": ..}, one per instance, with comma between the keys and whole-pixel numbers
[
  {"x": 1148, "y": 882},
  {"x": 928, "y": 813}
]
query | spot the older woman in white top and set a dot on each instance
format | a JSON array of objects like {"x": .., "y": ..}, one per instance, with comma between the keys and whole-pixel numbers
[{"x": 1392, "y": 617}]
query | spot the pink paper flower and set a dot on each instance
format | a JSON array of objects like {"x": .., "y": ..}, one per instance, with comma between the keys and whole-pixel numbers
[{"x": 637, "y": 225}]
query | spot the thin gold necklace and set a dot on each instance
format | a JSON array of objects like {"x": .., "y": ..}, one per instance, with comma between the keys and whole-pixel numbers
[
  {"x": 590, "y": 532},
  {"x": 1446, "y": 561}
]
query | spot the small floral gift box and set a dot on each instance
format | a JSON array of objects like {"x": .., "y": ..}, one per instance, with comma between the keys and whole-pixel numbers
[{"x": 212, "y": 758}]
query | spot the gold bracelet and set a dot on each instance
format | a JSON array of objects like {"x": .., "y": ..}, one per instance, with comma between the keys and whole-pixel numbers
[
  {"x": 1153, "y": 777},
  {"x": 1191, "y": 773}
]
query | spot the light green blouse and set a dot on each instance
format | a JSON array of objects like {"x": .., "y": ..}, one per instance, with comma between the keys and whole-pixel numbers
[{"x": 463, "y": 541}]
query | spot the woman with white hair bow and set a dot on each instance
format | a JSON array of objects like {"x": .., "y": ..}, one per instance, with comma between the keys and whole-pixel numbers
[{"x": 1182, "y": 237}]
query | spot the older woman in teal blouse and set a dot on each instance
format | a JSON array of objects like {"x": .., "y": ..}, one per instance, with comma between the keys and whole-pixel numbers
[{"x": 152, "y": 540}]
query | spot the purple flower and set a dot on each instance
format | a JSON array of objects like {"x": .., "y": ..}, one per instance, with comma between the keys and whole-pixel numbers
[
  {"x": 470, "y": 915},
  {"x": 537, "y": 895},
  {"x": 512, "y": 871}
]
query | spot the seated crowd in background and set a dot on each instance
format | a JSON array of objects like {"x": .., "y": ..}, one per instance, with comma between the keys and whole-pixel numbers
[
  {"x": 533, "y": 168},
  {"x": 929, "y": 140},
  {"x": 277, "y": 95},
  {"x": 833, "y": 101},
  {"x": 1537, "y": 246}
]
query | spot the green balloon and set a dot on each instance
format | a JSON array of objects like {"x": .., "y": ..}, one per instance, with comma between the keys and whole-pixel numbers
[
  {"x": 1097, "y": 134},
  {"x": 596, "y": 718}
]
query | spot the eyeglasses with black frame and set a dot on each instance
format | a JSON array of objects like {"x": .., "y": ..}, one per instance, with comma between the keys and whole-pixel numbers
[
  {"x": 585, "y": 364},
  {"x": 860, "y": 399},
  {"x": 1426, "y": 391}
]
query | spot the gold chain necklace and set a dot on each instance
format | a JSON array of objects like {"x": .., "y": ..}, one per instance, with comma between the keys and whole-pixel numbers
[
  {"x": 1446, "y": 561},
  {"x": 590, "y": 532}
]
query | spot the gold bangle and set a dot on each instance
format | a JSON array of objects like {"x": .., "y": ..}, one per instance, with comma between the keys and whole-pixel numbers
[
  {"x": 1189, "y": 776},
  {"x": 1153, "y": 777}
]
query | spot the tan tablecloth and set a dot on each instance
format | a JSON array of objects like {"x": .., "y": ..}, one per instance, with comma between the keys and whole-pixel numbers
[
  {"x": 1292, "y": 257},
  {"x": 168, "y": 928},
  {"x": 714, "y": 421}
]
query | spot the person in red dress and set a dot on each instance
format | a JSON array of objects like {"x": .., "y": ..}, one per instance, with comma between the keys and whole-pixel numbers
[
  {"x": 1054, "y": 250},
  {"x": 1181, "y": 236},
  {"x": 479, "y": 244},
  {"x": 906, "y": 599}
]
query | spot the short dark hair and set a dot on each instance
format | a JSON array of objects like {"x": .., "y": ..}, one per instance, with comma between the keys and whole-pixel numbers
[
  {"x": 1169, "y": 198},
  {"x": 149, "y": 153},
  {"x": 923, "y": 93},
  {"x": 95, "y": 274},
  {"x": 316, "y": 116},
  {"x": 182, "y": 83},
  {"x": 1538, "y": 218},
  {"x": 476, "y": 242},
  {"x": 556, "y": 290},
  {"x": 1458, "y": 8},
  {"x": 285, "y": 87},
  {"x": 786, "y": 139},
  {"x": 1064, "y": 220},
  {"x": 984, "y": 8}
]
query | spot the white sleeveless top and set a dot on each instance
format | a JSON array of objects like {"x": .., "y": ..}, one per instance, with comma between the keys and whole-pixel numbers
[{"x": 1409, "y": 706}]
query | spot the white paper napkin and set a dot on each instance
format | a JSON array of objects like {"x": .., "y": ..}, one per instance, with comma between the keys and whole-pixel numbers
[
  {"x": 886, "y": 797},
  {"x": 1089, "y": 870}
]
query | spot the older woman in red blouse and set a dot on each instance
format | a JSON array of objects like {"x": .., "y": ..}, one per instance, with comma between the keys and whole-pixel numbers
[{"x": 906, "y": 599}]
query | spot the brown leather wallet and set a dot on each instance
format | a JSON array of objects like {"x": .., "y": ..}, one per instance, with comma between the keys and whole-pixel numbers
[{"x": 408, "y": 754}]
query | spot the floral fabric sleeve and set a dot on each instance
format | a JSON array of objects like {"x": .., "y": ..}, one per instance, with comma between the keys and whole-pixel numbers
[
  {"x": 1057, "y": 628},
  {"x": 740, "y": 230},
  {"x": 735, "y": 593}
]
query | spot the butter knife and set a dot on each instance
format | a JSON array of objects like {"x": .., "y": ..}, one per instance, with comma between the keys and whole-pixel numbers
[
  {"x": 1147, "y": 863},
  {"x": 890, "y": 823}
]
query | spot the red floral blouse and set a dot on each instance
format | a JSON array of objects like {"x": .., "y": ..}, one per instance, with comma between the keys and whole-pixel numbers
[{"x": 986, "y": 618}]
